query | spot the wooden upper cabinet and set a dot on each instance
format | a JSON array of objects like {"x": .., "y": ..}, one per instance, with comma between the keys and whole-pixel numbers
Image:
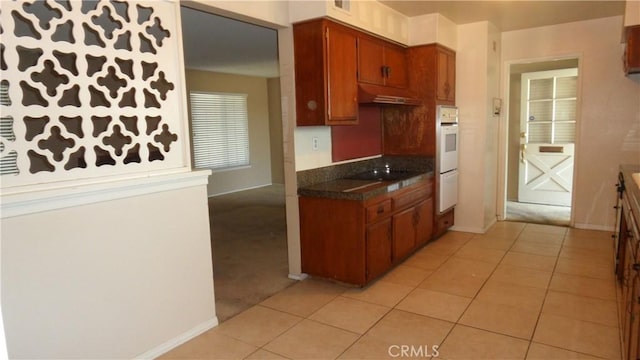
[
  {"x": 632, "y": 50},
  {"x": 446, "y": 75},
  {"x": 326, "y": 74},
  {"x": 381, "y": 63}
]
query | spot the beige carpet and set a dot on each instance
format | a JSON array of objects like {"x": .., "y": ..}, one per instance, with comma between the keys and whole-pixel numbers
[
  {"x": 538, "y": 214},
  {"x": 248, "y": 236}
]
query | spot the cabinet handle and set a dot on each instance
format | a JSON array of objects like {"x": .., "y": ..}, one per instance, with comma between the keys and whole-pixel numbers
[
  {"x": 388, "y": 71},
  {"x": 383, "y": 71},
  {"x": 380, "y": 210},
  {"x": 636, "y": 267}
]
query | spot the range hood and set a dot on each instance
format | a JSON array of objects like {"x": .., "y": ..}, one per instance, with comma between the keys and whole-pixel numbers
[{"x": 384, "y": 95}]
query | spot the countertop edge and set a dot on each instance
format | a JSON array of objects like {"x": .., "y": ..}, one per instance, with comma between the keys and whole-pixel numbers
[{"x": 384, "y": 187}]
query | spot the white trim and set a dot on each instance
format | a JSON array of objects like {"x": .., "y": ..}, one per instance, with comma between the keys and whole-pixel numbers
[
  {"x": 179, "y": 340},
  {"x": 594, "y": 227},
  {"x": 474, "y": 230},
  {"x": 238, "y": 190},
  {"x": 69, "y": 194},
  {"x": 503, "y": 129},
  {"x": 298, "y": 277}
]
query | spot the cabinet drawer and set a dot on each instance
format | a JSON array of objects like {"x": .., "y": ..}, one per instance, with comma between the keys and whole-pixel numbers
[
  {"x": 413, "y": 196},
  {"x": 444, "y": 222},
  {"x": 378, "y": 210}
]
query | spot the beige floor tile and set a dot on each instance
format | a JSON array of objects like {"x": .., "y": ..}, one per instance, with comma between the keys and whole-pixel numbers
[
  {"x": 211, "y": 345},
  {"x": 380, "y": 292},
  {"x": 549, "y": 229},
  {"x": 407, "y": 275},
  {"x": 258, "y": 325},
  {"x": 435, "y": 304},
  {"x": 305, "y": 297},
  {"x": 349, "y": 314},
  {"x": 492, "y": 242},
  {"x": 583, "y": 286},
  {"x": 585, "y": 268},
  {"x": 582, "y": 233},
  {"x": 468, "y": 343},
  {"x": 401, "y": 327},
  {"x": 426, "y": 260},
  {"x": 604, "y": 244},
  {"x": 530, "y": 261},
  {"x": 500, "y": 318},
  {"x": 506, "y": 229},
  {"x": 448, "y": 243},
  {"x": 463, "y": 277},
  {"x": 312, "y": 340},
  {"x": 546, "y": 352},
  {"x": 368, "y": 347},
  {"x": 541, "y": 238},
  {"x": 474, "y": 251},
  {"x": 603, "y": 312},
  {"x": 535, "y": 248},
  {"x": 262, "y": 354},
  {"x": 525, "y": 297},
  {"x": 516, "y": 275},
  {"x": 588, "y": 255},
  {"x": 577, "y": 335}
]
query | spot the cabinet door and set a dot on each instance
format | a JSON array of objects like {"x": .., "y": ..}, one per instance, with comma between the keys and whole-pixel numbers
[
  {"x": 446, "y": 67},
  {"x": 404, "y": 233},
  {"x": 396, "y": 61},
  {"x": 341, "y": 68},
  {"x": 378, "y": 247},
  {"x": 424, "y": 221},
  {"x": 370, "y": 61}
]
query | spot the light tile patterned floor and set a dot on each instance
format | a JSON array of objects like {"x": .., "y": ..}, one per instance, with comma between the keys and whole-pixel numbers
[{"x": 520, "y": 291}]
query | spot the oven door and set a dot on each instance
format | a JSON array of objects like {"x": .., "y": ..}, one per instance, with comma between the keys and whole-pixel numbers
[
  {"x": 448, "y": 148},
  {"x": 448, "y": 190}
]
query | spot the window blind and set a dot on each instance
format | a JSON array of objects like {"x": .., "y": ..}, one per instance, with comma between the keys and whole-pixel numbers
[{"x": 220, "y": 130}]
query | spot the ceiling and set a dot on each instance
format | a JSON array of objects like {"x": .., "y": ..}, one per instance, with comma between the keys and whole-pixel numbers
[
  {"x": 220, "y": 44},
  {"x": 216, "y": 43},
  {"x": 511, "y": 15}
]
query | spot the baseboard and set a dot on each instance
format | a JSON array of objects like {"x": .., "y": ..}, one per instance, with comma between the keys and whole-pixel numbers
[
  {"x": 238, "y": 190},
  {"x": 594, "y": 227},
  {"x": 298, "y": 277},
  {"x": 178, "y": 340},
  {"x": 474, "y": 230}
]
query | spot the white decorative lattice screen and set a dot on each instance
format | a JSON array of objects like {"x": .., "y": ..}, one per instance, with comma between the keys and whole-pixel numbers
[{"x": 89, "y": 89}]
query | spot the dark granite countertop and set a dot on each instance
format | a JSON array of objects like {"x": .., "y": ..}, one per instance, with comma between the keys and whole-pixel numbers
[
  {"x": 349, "y": 189},
  {"x": 632, "y": 187},
  {"x": 341, "y": 181}
]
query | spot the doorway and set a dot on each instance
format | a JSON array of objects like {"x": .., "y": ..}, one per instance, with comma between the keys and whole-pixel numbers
[
  {"x": 542, "y": 120},
  {"x": 233, "y": 87}
]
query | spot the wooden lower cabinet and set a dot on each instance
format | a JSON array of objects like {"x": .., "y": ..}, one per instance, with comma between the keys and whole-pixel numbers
[
  {"x": 443, "y": 222},
  {"x": 378, "y": 248},
  {"x": 358, "y": 241}
]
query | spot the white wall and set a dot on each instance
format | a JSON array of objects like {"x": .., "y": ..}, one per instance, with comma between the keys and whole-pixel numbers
[
  {"x": 609, "y": 110},
  {"x": 258, "y": 173},
  {"x": 432, "y": 28},
  {"x": 477, "y": 79},
  {"x": 113, "y": 279}
]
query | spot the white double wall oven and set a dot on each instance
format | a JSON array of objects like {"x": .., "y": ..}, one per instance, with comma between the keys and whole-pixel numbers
[{"x": 447, "y": 156}]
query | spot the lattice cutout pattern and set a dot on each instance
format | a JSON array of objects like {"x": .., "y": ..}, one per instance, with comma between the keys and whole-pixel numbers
[{"x": 89, "y": 88}]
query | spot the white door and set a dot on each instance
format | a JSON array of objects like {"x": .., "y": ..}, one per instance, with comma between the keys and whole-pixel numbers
[{"x": 547, "y": 136}]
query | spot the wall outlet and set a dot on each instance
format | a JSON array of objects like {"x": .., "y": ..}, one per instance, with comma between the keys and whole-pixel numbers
[{"x": 314, "y": 143}]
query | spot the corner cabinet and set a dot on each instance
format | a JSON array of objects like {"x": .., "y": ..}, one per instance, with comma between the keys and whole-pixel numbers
[
  {"x": 326, "y": 73},
  {"x": 381, "y": 63},
  {"x": 446, "y": 75},
  {"x": 357, "y": 241}
]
